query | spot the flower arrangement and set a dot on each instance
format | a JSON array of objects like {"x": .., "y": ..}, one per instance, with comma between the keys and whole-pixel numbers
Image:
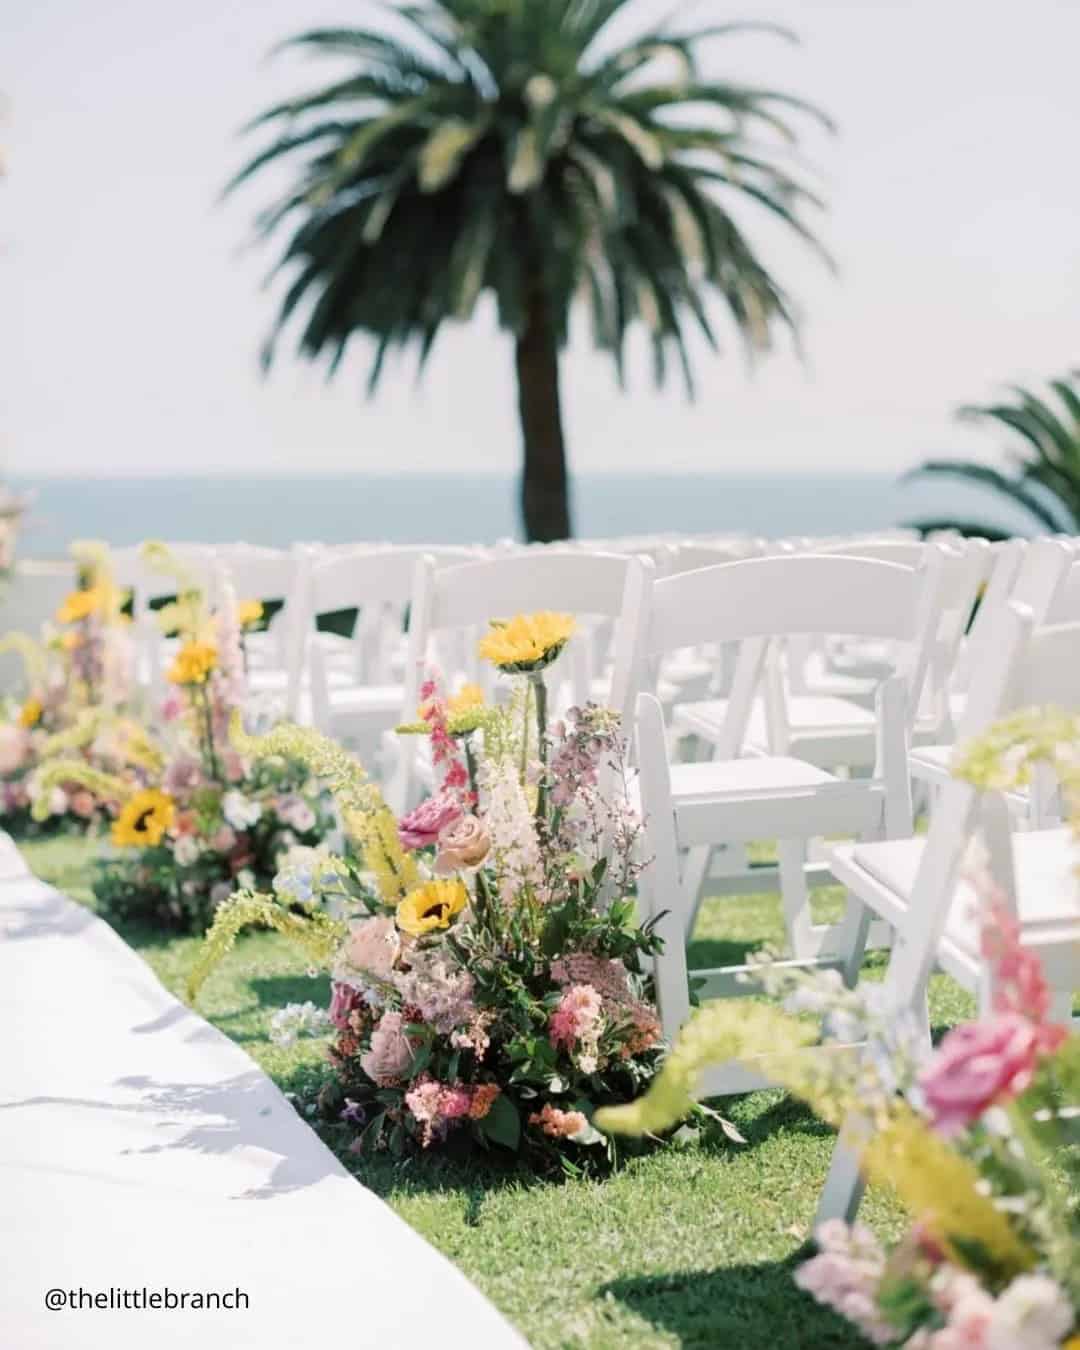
[
  {"x": 487, "y": 986},
  {"x": 198, "y": 820},
  {"x": 978, "y": 1138},
  {"x": 76, "y": 700}
]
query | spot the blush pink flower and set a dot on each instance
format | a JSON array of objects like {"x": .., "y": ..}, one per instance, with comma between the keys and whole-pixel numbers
[
  {"x": 421, "y": 827},
  {"x": 577, "y": 1018},
  {"x": 464, "y": 843},
  {"x": 978, "y": 1065},
  {"x": 391, "y": 1052},
  {"x": 372, "y": 947}
]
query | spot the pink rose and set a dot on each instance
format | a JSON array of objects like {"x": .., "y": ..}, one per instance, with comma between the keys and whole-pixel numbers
[
  {"x": 223, "y": 840},
  {"x": 344, "y": 1000},
  {"x": 391, "y": 1052},
  {"x": 421, "y": 827},
  {"x": 977, "y": 1065},
  {"x": 82, "y": 803},
  {"x": 463, "y": 843},
  {"x": 14, "y": 748},
  {"x": 372, "y": 947}
]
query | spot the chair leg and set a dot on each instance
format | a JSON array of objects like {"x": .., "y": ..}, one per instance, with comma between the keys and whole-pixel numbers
[
  {"x": 791, "y": 855},
  {"x": 843, "y": 1191},
  {"x": 696, "y": 867},
  {"x": 855, "y": 932},
  {"x": 657, "y": 884}
]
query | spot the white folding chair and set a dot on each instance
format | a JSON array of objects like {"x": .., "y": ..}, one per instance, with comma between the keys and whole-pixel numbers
[
  {"x": 917, "y": 884},
  {"x": 359, "y": 701},
  {"x": 29, "y": 598},
  {"x": 130, "y": 572},
  {"x": 267, "y": 574},
  {"x": 1045, "y": 577},
  {"x": 457, "y": 603},
  {"x": 837, "y": 732},
  {"x": 739, "y": 799}
]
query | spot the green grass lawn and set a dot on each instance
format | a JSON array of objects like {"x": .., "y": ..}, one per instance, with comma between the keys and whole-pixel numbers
[{"x": 693, "y": 1245}]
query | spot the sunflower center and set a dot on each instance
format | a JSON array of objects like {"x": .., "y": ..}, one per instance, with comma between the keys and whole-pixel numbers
[{"x": 142, "y": 818}]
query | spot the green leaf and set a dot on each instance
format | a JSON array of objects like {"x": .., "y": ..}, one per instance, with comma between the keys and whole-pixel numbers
[{"x": 502, "y": 1124}]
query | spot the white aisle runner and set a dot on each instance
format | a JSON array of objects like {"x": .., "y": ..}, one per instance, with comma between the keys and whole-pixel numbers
[{"x": 143, "y": 1153}]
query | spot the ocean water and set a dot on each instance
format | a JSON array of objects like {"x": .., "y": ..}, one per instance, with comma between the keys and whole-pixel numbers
[{"x": 462, "y": 509}]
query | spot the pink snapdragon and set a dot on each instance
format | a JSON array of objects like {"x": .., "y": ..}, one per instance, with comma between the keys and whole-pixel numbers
[{"x": 1019, "y": 985}]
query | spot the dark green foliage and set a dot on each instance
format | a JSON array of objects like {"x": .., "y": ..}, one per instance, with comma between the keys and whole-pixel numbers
[
  {"x": 1043, "y": 477},
  {"x": 518, "y": 148}
]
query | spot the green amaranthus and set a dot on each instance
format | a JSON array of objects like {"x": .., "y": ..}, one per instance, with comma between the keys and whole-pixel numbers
[{"x": 318, "y": 934}]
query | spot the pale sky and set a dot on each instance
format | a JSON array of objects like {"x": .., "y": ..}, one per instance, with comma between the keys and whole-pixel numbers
[{"x": 130, "y": 324}]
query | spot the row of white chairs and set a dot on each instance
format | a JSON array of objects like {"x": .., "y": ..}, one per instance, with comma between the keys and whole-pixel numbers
[{"x": 856, "y": 667}]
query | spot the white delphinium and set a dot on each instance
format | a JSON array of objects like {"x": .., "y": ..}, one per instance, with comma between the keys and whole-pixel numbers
[{"x": 510, "y": 823}]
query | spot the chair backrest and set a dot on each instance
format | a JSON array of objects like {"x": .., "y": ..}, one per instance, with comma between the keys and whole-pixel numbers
[
  {"x": 466, "y": 598},
  {"x": 1027, "y": 664},
  {"x": 146, "y": 585},
  {"x": 693, "y": 555},
  {"x": 377, "y": 582},
  {"x": 30, "y": 598},
  {"x": 764, "y": 599},
  {"x": 905, "y": 552}
]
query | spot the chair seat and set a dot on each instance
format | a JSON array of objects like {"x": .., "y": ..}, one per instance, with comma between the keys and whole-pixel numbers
[
  {"x": 930, "y": 763},
  {"x": 828, "y": 731},
  {"x": 769, "y": 797},
  {"x": 366, "y": 700},
  {"x": 1048, "y": 898}
]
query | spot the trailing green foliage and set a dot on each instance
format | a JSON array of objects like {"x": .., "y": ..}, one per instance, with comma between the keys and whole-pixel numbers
[{"x": 315, "y": 932}]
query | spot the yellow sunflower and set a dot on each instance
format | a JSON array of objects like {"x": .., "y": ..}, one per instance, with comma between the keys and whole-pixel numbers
[
  {"x": 431, "y": 906},
  {"x": 194, "y": 662},
  {"x": 144, "y": 819},
  {"x": 527, "y": 641},
  {"x": 249, "y": 613},
  {"x": 80, "y": 605},
  {"x": 30, "y": 713}
]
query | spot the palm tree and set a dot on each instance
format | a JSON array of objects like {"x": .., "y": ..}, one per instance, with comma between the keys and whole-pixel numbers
[
  {"x": 513, "y": 147},
  {"x": 1044, "y": 477}
]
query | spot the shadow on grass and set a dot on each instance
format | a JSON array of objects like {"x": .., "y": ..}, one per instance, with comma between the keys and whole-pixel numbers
[
  {"x": 754, "y": 1307},
  {"x": 710, "y": 953},
  {"x": 274, "y": 991}
]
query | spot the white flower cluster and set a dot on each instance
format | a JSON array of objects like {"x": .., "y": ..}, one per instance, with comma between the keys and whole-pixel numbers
[{"x": 295, "y": 1020}]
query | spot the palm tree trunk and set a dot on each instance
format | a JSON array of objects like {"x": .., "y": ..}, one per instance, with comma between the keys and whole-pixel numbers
[{"x": 545, "y": 493}]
